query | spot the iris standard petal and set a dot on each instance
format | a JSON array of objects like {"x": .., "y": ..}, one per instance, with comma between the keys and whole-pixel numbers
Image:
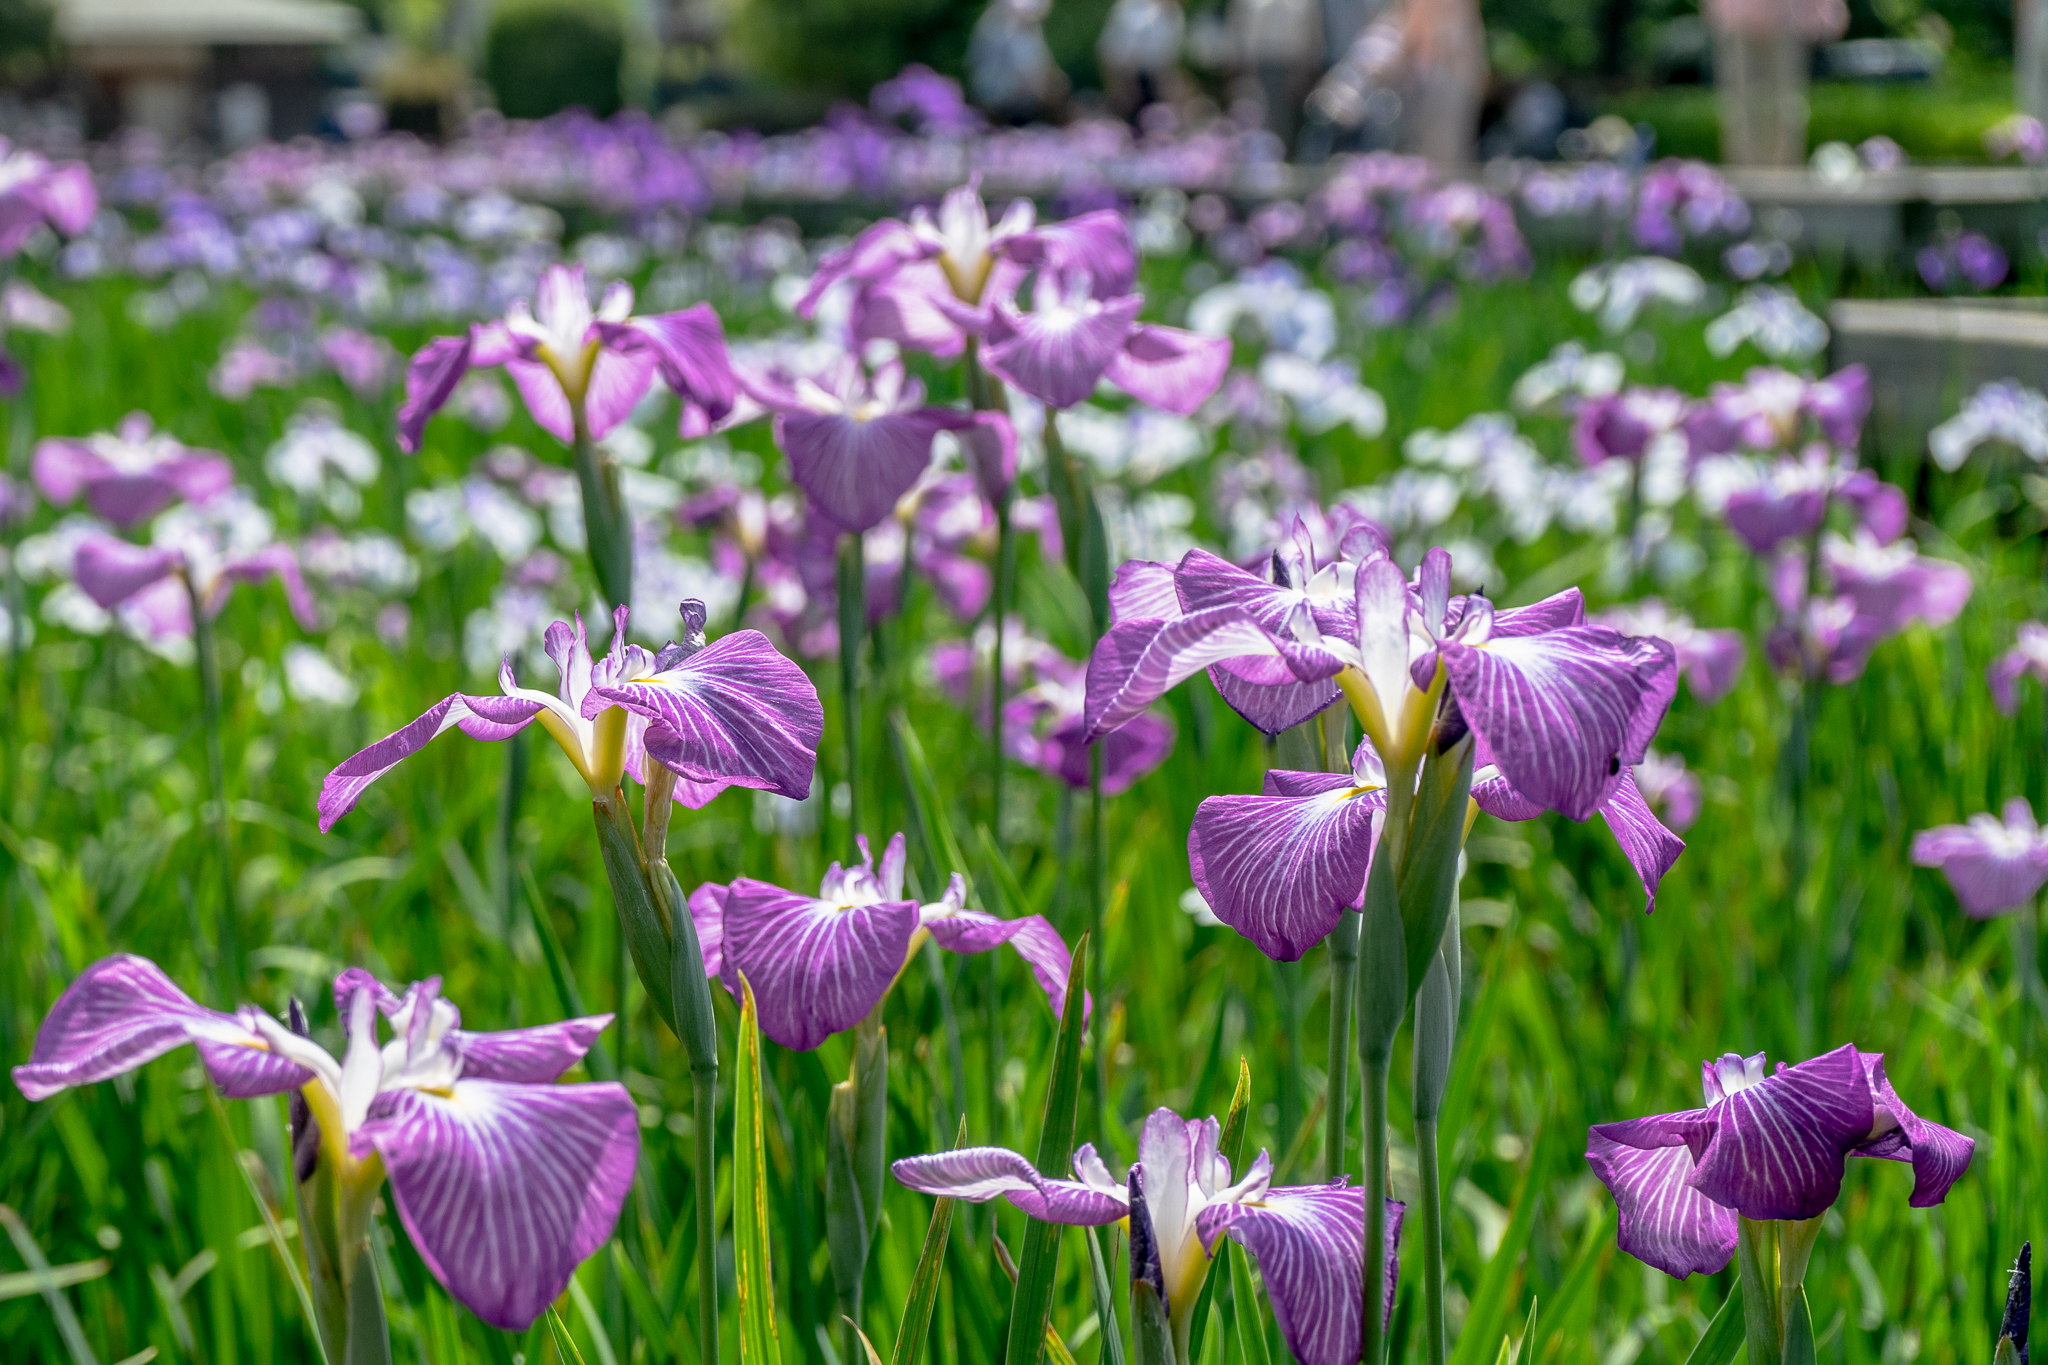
[
  {"x": 430, "y": 380},
  {"x": 735, "y": 711},
  {"x": 485, "y": 718},
  {"x": 123, "y": 1011},
  {"x": 1036, "y": 941},
  {"x": 1281, "y": 869},
  {"x": 979, "y": 1174},
  {"x": 1308, "y": 1240},
  {"x": 855, "y": 469},
  {"x": 506, "y": 1188},
  {"x": 531, "y": 1056},
  {"x": 1938, "y": 1155},
  {"x": 1169, "y": 368},
  {"x": 1777, "y": 1147},
  {"x": 1139, "y": 661},
  {"x": 1562, "y": 713},
  {"x": 816, "y": 968},
  {"x": 1664, "y": 1221}
]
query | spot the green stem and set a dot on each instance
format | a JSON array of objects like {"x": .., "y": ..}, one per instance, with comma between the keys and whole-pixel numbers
[
  {"x": 229, "y": 970},
  {"x": 606, "y": 528},
  {"x": 1373, "y": 1094},
  {"x": 1756, "y": 1251},
  {"x": 853, "y": 630},
  {"x": 1432, "y": 1212},
  {"x": 1097, "y": 859},
  {"x": 1343, "y": 987},
  {"x": 508, "y": 831},
  {"x": 704, "y": 1115},
  {"x": 1006, "y": 567}
]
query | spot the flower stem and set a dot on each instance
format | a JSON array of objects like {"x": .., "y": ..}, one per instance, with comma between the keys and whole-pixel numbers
[
  {"x": 704, "y": 1116},
  {"x": 1432, "y": 1241},
  {"x": 229, "y": 966},
  {"x": 1006, "y": 568},
  {"x": 1756, "y": 1251},
  {"x": 1096, "y": 872},
  {"x": 853, "y": 619},
  {"x": 1343, "y": 986},
  {"x": 1373, "y": 1095},
  {"x": 606, "y": 528}
]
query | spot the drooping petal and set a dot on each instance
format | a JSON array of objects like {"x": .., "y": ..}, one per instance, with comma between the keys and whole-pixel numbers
[
  {"x": 531, "y": 1056},
  {"x": 1309, "y": 1242},
  {"x": 695, "y": 364},
  {"x": 485, "y": 717},
  {"x": 111, "y": 571},
  {"x": 877, "y": 253},
  {"x": 1564, "y": 712},
  {"x": 1142, "y": 589},
  {"x": 545, "y": 402},
  {"x": 856, "y": 469},
  {"x": 61, "y": 467},
  {"x": 1168, "y": 368},
  {"x": 1650, "y": 848},
  {"x": 1270, "y": 706},
  {"x": 816, "y": 968},
  {"x": 123, "y": 1011},
  {"x": 907, "y": 309},
  {"x": 1058, "y": 354},
  {"x": 1036, "y": 941},
  {"x": 1777, "y": 1147},
  {"x": 1664, "y": 1221},
  {"x": 735, "y": 711},
  {"x": 506, "y": 1188},
  {"x": 277, "y": 561},
  {"x": 1938, "y": 1155},
  {"x": 1139, "y": 661},
  {"x": 1992, "y": 867},
  {"x": 979, "y": 1174},
  {"x": 430, "y": 380},
  {"x": 618, "y": 381},
  {"x": 1280, "y": 870},
  {"x": 1097, "y": 243}
]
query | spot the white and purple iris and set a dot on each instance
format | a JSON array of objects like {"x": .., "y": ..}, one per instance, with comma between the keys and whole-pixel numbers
[
  {"x": 731, "y": 713},
  {"x": 820, "y": 964},
  {"x": 1180, "y": 1198},
  {"x": 1710, "y": 660},
  {"x": 198, "y": 553},
  {"x": 2027, "y": 657},
  {"x": 129, "y": 474},
  {"x": 576, "y": 366},
  {"x": 505, "y": 1180},
  {"x": 1765, "y": 1147},
  {"x": 1995, "y": 865}
]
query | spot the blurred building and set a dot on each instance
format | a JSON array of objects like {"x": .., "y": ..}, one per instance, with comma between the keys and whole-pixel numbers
[{"x": 231, "y": 71}]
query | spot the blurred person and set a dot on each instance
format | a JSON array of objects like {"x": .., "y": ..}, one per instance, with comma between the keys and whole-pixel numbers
[
  {"x": 1420, "y": 66},
  {"x": 1139, "y": 52},
  {"x": 1763, "y": 56},
  {"x": 1280, "y": 43},
  {"x": 1010, "y": 70}
]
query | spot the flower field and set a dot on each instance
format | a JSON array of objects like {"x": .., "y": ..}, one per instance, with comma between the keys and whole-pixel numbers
[{"x": 1420, "y": 671}]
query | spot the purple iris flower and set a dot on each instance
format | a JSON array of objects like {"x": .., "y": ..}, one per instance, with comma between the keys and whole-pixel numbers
[
  {"x": 1768, "y": 410},
  {"x": 1073, "y": 338},
  {"x": 1710, "y": 660},
  {"x": 1623, "y": 426},
  {"x": 730, "y": 713},
  {"x": 1282, "y": 866},
  {"x": 568, "y": 359},
  {"x": 129, "y": 474},
  {"x": 33, "y": 192},
  {"x": 2028, "y": 656},
  {"x": 1867, "y": 592},
  {"x": 1045, "y": 722},
  {"x": 820, "y": 964},
  {"x": 1788, "y": 500},
  {"x": 1180, "y": 1198},
  {"x": 857, "y": 442},
  {"x": 1765, "y": 1147},
  {"x": 196, "y": 552},
  {"x": 504, "y": 1180},
  {"x": 1995, "y": 866},
  {"x": 1560, "y": 707}
]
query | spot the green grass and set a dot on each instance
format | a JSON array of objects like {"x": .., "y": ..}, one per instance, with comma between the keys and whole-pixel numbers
[
  {"x": 1938, "y": 120},
  {"x": 1577, "y": 1008}
]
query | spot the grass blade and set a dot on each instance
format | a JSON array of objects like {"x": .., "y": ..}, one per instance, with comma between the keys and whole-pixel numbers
[
  {"x": 1031, "y": 1305},
  {"x": 565, "y": 1345},
  {"x": 654, "y": 1327},
  {"x": 68, "y": 1325},
  {"x": 1723, "y": 1337},
  {"x": 1105, "y": 1304},
  {"x": 1487, "y": 1319},
  {"x": 752, "y": 1271},
  {"x": 924, "y": 1282},
  {"x": 1251, "y": 1319}
]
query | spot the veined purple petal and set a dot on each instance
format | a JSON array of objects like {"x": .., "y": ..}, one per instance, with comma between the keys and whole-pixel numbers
[
  {"x": 877, "y": 253},
  {"x": 907, "y": 308},
  {"x": 1309, "y": 1242},
  {"x": 1036, "y": 941},
  {"x": 111, "y": 571},
  {"x": 1555, "y": 612},
  {"x": 735, "y": 711},
  {"x": 1139, "y": 661},
  {"x": 816, "y": 968},
  {"x": 544, "y": 399},
  {"x": 856, "y": 469},
  {"x": 430, "y": 379},
  {"x": 1777, "y": 1147},
  {"x": 61, "y": 467},
  {"x": 694, "y": 362},
  {"x": 1664, "y": 1221},
  {"x": 707, "y": 913},
  {"x": 531, "y": 1056},
  {"x": 1938, "y": 1155},
  {"x": 618, "y": 381},
  {"x": 1562, "y": 713},
  {"x": 506, "y": 1188},
  {"x": 1281, "y": 869},
  {"x": 1143, "y": 589},
  {"x": 1169, "y": 368},
  {"x": 123, "y": 1011},
  {"x": 1993, "y": 867},
  {"x": 979, "y": 1174},
  {"x": 1270, "y": 707},
  {"x": 1057, "y": 355},
  {"x": 1650, "y": 848},
  {"x": 486, "y": 718},
  {"x": 1097, "y": 243}
]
